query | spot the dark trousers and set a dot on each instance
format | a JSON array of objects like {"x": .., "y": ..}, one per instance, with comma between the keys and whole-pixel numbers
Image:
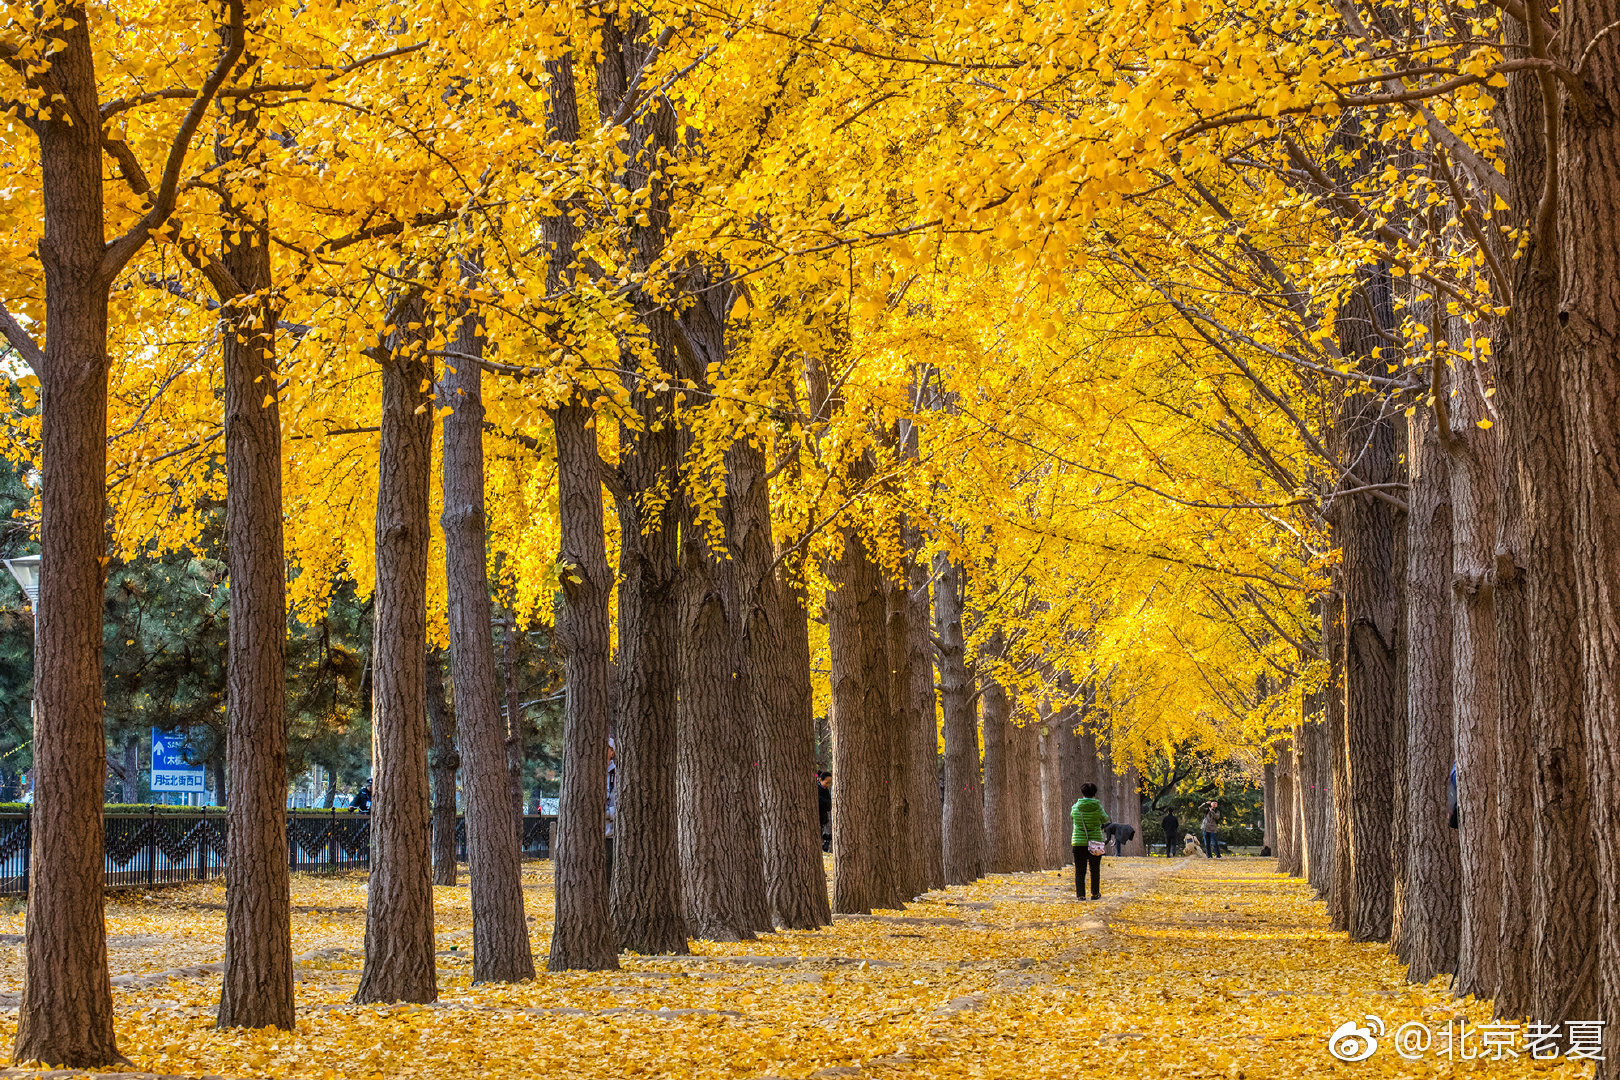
[
  {"x": 1170, "y": 842},
  {"x": 1082, "y": 859},
  {"x": 1212, "y": 846}
]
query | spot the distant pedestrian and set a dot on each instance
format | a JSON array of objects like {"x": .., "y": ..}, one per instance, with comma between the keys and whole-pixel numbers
[
  {"x": 362, "y": 799},
  {"x": 824, "y": 808},
  {"x": 1172, "y": 832},
  {"x": 1211, "y": 826},
  {"x": 1089, "y": 817},
  {"x": 1120, "y": 833}
]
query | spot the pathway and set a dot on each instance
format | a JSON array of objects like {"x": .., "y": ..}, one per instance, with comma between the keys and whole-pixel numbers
[{"x": 1189, "y": 968}]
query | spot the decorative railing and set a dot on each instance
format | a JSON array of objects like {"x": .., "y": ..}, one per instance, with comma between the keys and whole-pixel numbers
[{"x": 162, "y": 847}]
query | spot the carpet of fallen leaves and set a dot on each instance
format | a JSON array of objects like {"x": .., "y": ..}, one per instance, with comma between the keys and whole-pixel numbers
[{"x": 1190, "y": 968}]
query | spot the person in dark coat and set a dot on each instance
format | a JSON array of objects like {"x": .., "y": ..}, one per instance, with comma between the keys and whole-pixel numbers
[
  {"x": 1120, "y": 834},
  {"x": 1172, "y": 832},
  {"x": 824, "y": 808},
  {"x": 362, "y": 799}
]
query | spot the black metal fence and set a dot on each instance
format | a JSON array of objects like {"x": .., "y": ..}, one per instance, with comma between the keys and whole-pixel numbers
[{"x": 166, "y": 848}]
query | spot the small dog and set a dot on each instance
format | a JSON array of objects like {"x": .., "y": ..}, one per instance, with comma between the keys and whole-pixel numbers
[{"x": 1190, "y": 845}]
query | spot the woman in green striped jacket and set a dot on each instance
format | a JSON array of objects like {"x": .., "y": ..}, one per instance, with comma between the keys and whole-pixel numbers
[{"x": 1089, "y": 817}]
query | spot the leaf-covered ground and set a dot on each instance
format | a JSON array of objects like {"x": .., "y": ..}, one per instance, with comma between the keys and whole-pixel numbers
[{"x": 1189, "y": 968}]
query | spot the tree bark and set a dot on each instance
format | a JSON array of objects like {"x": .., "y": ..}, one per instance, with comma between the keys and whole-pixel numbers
[
  {"x": 443, "y": 762},
  {"x": 1057, "y": 744},
  {"x": 1472, "y": 452},
  {"x": 1588, "y": 353},
  {"x": 865, "y": 739},
  {"x": 647, "y": 906},
  {"x": 917, "y": 821},
  {"x": 1269, "y": 779},
  {"x": 511, "y": 644},
  {"x": 501, "y": 950},
  {"x": 722, "y": 854},
  {"x": 257, "y": 989},
  {"x": 1333, "y": 639},
  {"x": 776, "y": 649},
  {"x": 1432, "y": 868},
  {"x": 963, "y": 839},
  {"x": 1367, "y": 537},
  {"x": 399, "y": 964},
  {"x": 582, "y": 937},
  {"x": 996, "y": 709},
  {"x": 66, "y": 1014}
]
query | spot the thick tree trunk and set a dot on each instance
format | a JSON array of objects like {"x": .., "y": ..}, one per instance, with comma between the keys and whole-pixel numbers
[
  {"x": 999, "y": 824},
  {"x": 443, "y": 762},
  {"x": 257, "y": 989},
  {"x": 865, "y": 737},
  {"x": 1432, "y": 912},
  {"x": 1472, "y": 452},
  {"x": 399, "y": 964},
  {"x": 647, "y": 910},
  {"x": 1031, "y": 817},
  {"x": 1515, "y": 742},
  {"x": 582, "y": 937},
  {"x": 1286, "y": 841},
  {"x": 964, "y": 792},
  {"x": 1589, "y": 370},
  {"x": 780, "y": 702},
  {"x": 1367, "y": 537},
  {"x": 723, "y": 883},
  {"x": 501, "y": 950},
  {"x": 917, "y": 820},
  {"x": 66, "y": 1015},
  {"x": 1057, "y": 745}
]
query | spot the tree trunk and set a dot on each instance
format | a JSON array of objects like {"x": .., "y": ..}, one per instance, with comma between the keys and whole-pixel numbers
[
  {"x": 1285, "y": 841},
  {"x": 582, "y": 938},
  {"x": 1269, "y": 779},
  {"x": 1588, "y": 352},
  {"x": 443, "y": 761},
  {"x": 512, "y": 643},
  {"x": 1032, "y": 818},
  {"x": 776, "y": 648},
  {"x": 1057, "y": 744},
  {"x": 996, "y": 708},
  {"x": 1333, "y": 640},
  {"x": 964, "y": 795},
  {"x": 399, "y": 964},
  {"x": 1472, "y": 452},
  {"x": 865, "y": 739},
  {"x": 1367, "y": 536},
  {"x": 1432, "y": 912},
  {"x": 257, "y": 989},
  {"x": 501, "y": 950},
  {"x": 1515, "y": 742},
  {"x": 722, "y": 855},
  {"x": 647, "y": 907},
  {"x": 66, "y": 1016},
  {"x": 917, "y": 822}
]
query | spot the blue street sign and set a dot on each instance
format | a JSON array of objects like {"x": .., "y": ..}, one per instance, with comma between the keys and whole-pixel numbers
[{"x": 171, "y": 771}]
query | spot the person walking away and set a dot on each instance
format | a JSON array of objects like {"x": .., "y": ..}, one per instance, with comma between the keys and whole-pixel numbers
[
  {"x": 1172, "y": 832},
  {"x": 1212, "y": 823},
  {"x": 824, "y": 808},
  {"x": 1089, "y": 817}
]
